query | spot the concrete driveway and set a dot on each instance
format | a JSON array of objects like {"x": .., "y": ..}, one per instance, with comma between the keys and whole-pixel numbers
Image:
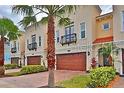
[{"x": 36, "y": 80}]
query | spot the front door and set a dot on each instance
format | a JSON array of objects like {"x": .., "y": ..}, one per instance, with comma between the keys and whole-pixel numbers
[{"x": 123, "y": 60}]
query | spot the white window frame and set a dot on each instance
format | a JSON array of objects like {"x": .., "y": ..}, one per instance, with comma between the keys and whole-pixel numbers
[
  {"x": 84, "y": 30},
  {"x": 107, "y": 29},
  {"x": 122, "y": 21}
]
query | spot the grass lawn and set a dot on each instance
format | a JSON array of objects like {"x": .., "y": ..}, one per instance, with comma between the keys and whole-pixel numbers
[{"x": 76, "y": 82}]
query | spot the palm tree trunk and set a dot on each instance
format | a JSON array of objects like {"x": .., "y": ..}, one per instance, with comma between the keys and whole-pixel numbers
[
  {"x": 2, "y": 71},
  {"x": 51, "y": 51}
]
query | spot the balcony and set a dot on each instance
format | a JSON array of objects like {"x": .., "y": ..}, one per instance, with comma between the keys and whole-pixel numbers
[
  {"x": 32, "y": 46},
  {"x": 68, "y": 39},
  {"x": 13, "y": 50}
]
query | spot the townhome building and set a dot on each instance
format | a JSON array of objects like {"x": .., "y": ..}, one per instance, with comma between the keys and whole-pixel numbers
[
  {"x": 73, "y": 42},
  {"x": 118, "y": 33},
  {"x": 103, "y": 35},
  {"x": 7, "y": 52},
  {"x": 35, "y": 44},
  {"x": 18, "y": 50}
]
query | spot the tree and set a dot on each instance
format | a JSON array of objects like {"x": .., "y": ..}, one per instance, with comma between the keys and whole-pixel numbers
[
  {"x": 107, "y": 51},
  {"x": 10, "y": 31},
  {"x": 52, "y": 12}
]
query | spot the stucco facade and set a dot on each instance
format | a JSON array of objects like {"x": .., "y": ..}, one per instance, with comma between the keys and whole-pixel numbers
[
  {"x": 18, "y": 50},
  {"x": 39, "y": 31},
  {"x": 84, "y": 14},
  {"x": 118, "y": 32}
]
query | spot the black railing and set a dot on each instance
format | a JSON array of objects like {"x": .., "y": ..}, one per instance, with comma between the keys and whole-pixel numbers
[
  {"x": 67, "y": 39},
  {"x": 32, "y": 46},
  {"x": 13, "y": 50}
]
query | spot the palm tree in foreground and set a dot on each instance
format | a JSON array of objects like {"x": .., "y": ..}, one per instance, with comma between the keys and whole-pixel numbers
[
  {"x": 10, "y": 31},
  {"x": 52, "y": 12}
]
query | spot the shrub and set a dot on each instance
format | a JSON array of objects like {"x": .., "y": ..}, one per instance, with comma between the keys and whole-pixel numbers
[
  {"x": 32, "y": 69},
  {"x": 100, "y": 77},
  {"x": 10, "y": 66}
]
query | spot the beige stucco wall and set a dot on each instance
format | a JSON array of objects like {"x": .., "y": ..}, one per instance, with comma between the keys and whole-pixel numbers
[
  {"x": 39, "y": 30},
  {"x": 118, "y": 34},
  {"x": 100, "y": 33},
  {"x": 117, "y": 22},
  {"x": 85, "y": 14}
]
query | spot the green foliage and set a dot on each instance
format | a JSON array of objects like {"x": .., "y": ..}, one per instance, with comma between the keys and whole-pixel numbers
[
  {"x": 100, "y": 77},
  {"x": 56, "y": 11},
  {"x": 32, "y": 69},
  {"x": 80, "y": 81},
  {"x": 9, "y": 29},
  {"x": 10, "y": 66}
]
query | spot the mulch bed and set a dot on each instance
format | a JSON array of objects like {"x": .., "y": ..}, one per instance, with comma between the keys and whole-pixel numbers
[{"x": 117, "y": 77}]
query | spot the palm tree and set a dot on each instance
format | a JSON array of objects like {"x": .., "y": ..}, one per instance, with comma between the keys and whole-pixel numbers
[
  {"x": 107, "y": 51},
  {"x": 52, "y": 12},
  {"x": 9, "y": 30}
]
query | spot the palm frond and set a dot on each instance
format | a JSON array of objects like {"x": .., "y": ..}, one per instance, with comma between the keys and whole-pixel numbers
[
  {"x": 44, "y": 20},
  {"x": 23, "y": 9},
  {"x": 64, "y": 21},
  {"x": 28, "y": 20}
]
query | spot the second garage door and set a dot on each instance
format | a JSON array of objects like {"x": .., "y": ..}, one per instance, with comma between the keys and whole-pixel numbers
[
  {"x": 33, "y": 60},
  {"x": 75, "y": 61}
]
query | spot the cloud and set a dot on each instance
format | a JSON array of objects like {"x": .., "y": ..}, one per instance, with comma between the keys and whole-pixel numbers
[
  {"x": 106, "y": 8},
  {"x": 6, "y": 11}
]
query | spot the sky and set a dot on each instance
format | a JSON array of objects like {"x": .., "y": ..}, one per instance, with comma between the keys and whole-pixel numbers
[{"x": 5, "y": 10}]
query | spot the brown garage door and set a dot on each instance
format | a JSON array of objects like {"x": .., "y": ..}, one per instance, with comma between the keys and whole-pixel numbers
[
  {"x": 76, "y": 61},
  {"x": 33, "y": 60}
]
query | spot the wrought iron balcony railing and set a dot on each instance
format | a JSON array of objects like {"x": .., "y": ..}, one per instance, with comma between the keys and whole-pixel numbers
[
  {"x": 70, "y": 38},
  {"x": 13, "y": 50},
  {"x": 32, "y": 46}
]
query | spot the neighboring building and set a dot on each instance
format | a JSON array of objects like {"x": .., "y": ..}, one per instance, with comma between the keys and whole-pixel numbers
[
  {"x": 70, "y": 41},
  {"x": 73, "y": 51},
  {"x": 35, "y": 44},
  {"x": 103, "y": 34},
  {"x": 118, "y": 33},
  {"x": 18, "y": 50},
  {"x": 7, "y": 52}
]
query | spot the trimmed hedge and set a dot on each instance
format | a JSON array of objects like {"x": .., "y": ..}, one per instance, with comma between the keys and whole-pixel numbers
[
  {"x": 100, "y": 77},
  {"x": 10, "y": 66},
  {"x": 32, "y": 69}
]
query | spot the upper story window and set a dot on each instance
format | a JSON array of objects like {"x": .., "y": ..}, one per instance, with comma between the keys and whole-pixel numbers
[
  {"x": 27, "y": 43},
  {"x": 39, "y": 40},
  {"x": 14, "y": 44},
  {"x": 82, "y": 30},
  {"x": 57, "y": 36},
  {"x": 33, "y": 38},
  {"x": 122, "y": 21},
  {"x": 106, "y": 26},
  {"x": 69, "y": 29},
  {"x": 18, "y": 45}
]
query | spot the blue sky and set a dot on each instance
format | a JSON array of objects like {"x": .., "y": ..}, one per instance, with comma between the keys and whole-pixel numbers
[{"x": 5, "y": 10}]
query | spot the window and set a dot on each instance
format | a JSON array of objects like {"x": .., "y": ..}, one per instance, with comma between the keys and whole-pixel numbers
[
  {"x": 27, "y": 43},
  {"x": 122, "y": 21},
  {"x": 82, "y": 30},
  {"x": 14, "y": 43},
  {"x": 18, "y": 46},
  {"x": 69, "y": 29},
  {"x": 57, "y": 36},
  {"x": 39, "y": 40},
  {"x": 105, "y": 26},
  {"x": 33, "y": 38}
]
